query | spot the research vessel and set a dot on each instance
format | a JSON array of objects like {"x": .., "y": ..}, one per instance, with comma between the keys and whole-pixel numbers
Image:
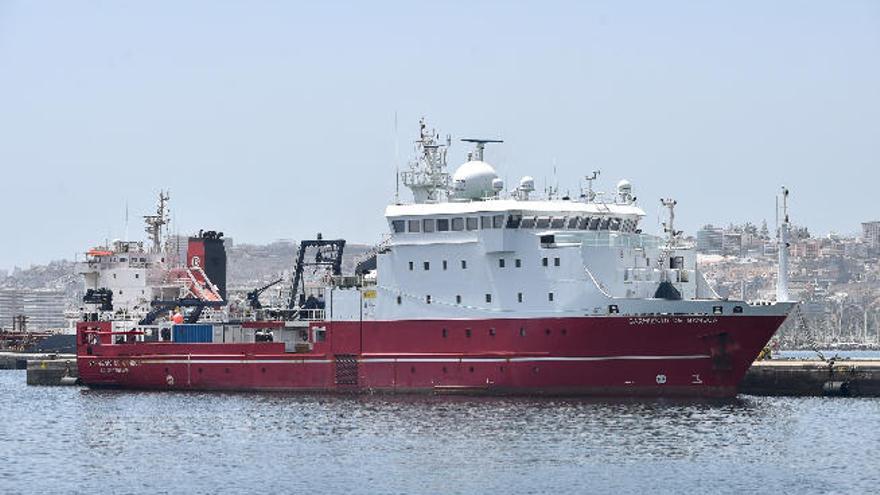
[{"x": 476, "y": 288}]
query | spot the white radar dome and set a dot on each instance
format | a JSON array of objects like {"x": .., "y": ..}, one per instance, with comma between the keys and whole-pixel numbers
[
  {"x": 527, "y": 183},
  {"x": 624, "y": 191},
  {"x": 474, "y": 180}
]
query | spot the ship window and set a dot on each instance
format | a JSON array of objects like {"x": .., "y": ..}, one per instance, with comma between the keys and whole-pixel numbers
[
  {"x": 584, "y": 223},
  {"x": 472, "y": 223},
  {"x": 603, "y": 225},
  {"x": 458, "y": 299},
  {"x": 444, "y": 264},
  {"x": 550, "y": 296},
  {"x": 123, "y": 260},
  {"x": 497, "y": 221},
  {"x": 492, "y": 332},
  {"x": 676, "y": 262},
  {"x": 399, "y": 300},
  {"x": 428, "y": 225},
  {"x": 458, "y": 224},
  {"x": 410, "y": 266},
  {"x": 137, "y": 275},
  {"x": 717, "y": 310},
  {"x": 488, "y": 298},
  {"x": 427, "y": 265},
  {"x": 464, "y": 264},
  {"x": 414, "y": 226},
  {"x": 501, "y": 263},
  {"x": 614, "y": 224},
  {"x": 428, "y": 299},
  {"x": 555, "y": 261},
  {"x": 594, "y": 223},
  {"x": 522, "y": 331},
  {"x": 513, "y": 221},
  {"x": 557, "y": 222},
  {"x": 519, "y": 297},
  {"x": 114, "y": 275},
  {"x": 544, "y": 262},
  {"x": 445, "y": 333},
  {"x": 442, "y": 225},
  {"x": 467, "y": 332},
  {"x": 485, "y": 223},
  {"x": 573, "y": 222},
  {"x": 517, "y": 263},
  {"x": 543, "y": 222},
  {"x": 398, "y": 226},
  {"x": 737, "y": 309},
  {"x": 527, "y": 223}
]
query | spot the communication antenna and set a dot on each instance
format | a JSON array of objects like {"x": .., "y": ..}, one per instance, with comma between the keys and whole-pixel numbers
[
  {"x": 396, "y": 163},
  {"x": 591, "y": 196}
]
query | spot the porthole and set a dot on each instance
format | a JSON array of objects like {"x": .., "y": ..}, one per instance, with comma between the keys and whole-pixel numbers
[
  {"x": 467, "y": 332},
  {"x": 522, "y": 332},
  {"x": 445, "y": 333},
  {"x": 492, "y": 332}
]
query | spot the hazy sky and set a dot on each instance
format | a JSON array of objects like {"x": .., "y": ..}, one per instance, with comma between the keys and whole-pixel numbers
[{"x": 276, "y": 119}]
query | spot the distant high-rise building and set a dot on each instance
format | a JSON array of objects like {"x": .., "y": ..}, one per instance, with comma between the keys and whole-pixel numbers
[
  {"x": 44, "y": 308},
  {"x": 710, "y": 240},
  {"x": 871, "y": 235}
]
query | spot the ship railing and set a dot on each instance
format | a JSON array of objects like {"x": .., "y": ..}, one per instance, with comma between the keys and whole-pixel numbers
[
  {"x": 606, "y": 239},
  {"x": 310, "y": 314}
]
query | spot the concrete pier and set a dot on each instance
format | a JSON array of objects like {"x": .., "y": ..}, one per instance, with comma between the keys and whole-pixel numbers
[
  {"x": 52, "y": 371},
  {"x": 18, "y": 360},
  {"x": 852, "y": 378}
]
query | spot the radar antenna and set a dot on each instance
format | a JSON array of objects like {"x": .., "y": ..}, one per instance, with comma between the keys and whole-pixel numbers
[{"x": 479, "y": 146}]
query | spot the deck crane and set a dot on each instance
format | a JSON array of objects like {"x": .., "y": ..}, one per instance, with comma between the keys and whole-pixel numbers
[{"x": 253, "y": 297}]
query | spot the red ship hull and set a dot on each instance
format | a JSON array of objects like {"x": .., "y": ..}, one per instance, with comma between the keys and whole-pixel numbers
[{"x": 655, "y": 356}]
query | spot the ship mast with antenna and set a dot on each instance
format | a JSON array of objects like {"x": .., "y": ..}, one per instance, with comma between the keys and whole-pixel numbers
[
  {"x": 154, "y": 223},
  {"x": 427, "y": 177},
  {"x": 782, "y": 240}
]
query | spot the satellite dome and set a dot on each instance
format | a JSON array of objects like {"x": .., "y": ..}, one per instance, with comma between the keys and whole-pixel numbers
[
  {"x": 527, "y": 183},
  {"x": 624, "y": 184},
  {"x": 474, "y": 180},
  {"x": 624, "y": 191}
]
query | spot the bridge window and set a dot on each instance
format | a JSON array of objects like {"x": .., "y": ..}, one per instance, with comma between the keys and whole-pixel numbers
[
  {"x": 485, "y": 223},
  {"x": 501, "y": 263},
  {"x": 427, "y": 265},
  {"x": 557, "y": 222},
  {"x": 550, "y": 296},
  {"x": 603, "y": 225},
  {"x": 517, "y": 263},
  {"x": 519, "y": 297},
  {"x": 458, "y": 299},
  {"x": 573, "y": 222},
  {"x": 399, "y": 300},
  {"x": 614, "y": 224},
  {"x": 428, "y": 225},
  {"x": 488, "y": 298},
  {"x": 543, "y": 222},
  {"x": 471, "y": 223},
  {"x": 444, "y": 264},
  {"x": 398, "y": 226},
  {"x": 513, "y": 221},
  {"x": 458, "y": 224},
  {"x": 428, "y": 299},
  {"x": 410, "y": 266},
  {"x": 414, "y": 225},
  {"x": 527, "y": 223},
  {"x": 464, "y": 264},
  {"x": 442, "y": 225},
  {"x": 583, "y": 223},
  {"x": 544, "y": 262},
  {"x": 594, "y": 223},
  {"x": 555, "y": 261},
  {"x": 497, "y": 221}
]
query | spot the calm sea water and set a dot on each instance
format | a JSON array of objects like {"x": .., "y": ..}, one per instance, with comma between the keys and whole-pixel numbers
[{"x": 69, "y": 439}]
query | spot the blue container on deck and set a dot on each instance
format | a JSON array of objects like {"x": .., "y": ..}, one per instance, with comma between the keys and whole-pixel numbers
[{"x": 193, "y": 333}]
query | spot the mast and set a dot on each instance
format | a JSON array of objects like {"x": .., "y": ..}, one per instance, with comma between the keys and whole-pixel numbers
[
  {"x": 427, "y": 177},
  {"x": 157, "y": 221},
  {"x": 782, "y": 242}
]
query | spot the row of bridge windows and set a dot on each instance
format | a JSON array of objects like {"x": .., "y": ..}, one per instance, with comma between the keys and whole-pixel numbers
[{"x": 457, "y": 224}]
